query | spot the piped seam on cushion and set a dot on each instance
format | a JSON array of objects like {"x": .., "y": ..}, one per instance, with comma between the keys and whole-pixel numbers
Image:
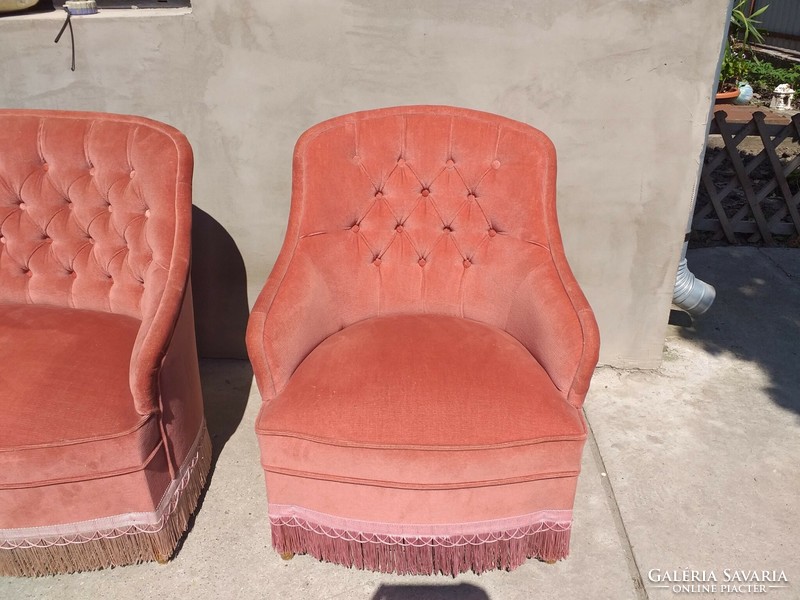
[
  {"x": 110, "y": 527},
  {"x": 420, "y": 486},
  {"x": 76, "y": 479},
  {"x": 141, "y": 423},
  {"x": 347, "y": 444}
]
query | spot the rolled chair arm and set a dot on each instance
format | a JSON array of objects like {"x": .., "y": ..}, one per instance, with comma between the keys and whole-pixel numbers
[
  {"x": 165, "y": 287},
  {"x": 291, "y": 316}
]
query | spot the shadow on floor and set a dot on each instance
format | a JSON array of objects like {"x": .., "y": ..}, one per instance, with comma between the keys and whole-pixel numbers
[
  {"x": 756, "y": 316},
  {"x": 226, "y": 388},
  {"x": 461, "y": 591},
  {"x": 219, "y": 288}
]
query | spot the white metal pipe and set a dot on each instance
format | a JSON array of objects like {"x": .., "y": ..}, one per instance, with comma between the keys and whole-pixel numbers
[{"x": 691, "y": 294}]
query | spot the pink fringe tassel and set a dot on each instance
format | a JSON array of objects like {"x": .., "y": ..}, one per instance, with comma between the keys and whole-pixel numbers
[
  {"x": 114, "y": 548},
  {"x": 441, "y": 555}
]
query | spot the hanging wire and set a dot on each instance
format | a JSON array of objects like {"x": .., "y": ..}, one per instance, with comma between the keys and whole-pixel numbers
[{"x": 68, "y": 22}]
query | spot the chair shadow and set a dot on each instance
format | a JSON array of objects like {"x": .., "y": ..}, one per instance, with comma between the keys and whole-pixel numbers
[
  {"x": 755, "y": 316},
  {"x": 461, "y": 591},
  {"x": 219, "y": 288},
  {"x": 226, "y": 388}
]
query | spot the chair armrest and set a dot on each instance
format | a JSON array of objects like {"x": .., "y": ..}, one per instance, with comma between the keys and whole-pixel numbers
[
  {"x": 552, "y": 318},
  {"x": 589, "y": 331},
  {"x": 291, "y": 316}
]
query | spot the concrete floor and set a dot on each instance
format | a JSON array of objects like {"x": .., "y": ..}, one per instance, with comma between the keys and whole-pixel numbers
[{"x": 693, "y": 466}]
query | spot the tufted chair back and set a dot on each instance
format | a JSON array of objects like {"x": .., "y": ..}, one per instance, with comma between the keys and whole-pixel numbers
[
  {"x": 88, "y": 213},
  {"x": 434, "y": 209}
]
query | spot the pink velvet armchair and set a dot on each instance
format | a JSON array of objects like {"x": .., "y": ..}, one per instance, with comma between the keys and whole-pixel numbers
[
  {"x": 422, "y": 348},
  {"x": 103, "y": 445}
]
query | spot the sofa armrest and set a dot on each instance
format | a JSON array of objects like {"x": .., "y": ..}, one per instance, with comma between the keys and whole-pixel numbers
[{"x": 165, "y": 288}]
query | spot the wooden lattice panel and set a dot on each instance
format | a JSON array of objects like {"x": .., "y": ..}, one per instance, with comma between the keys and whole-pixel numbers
[{"x": 755, "y": 195}]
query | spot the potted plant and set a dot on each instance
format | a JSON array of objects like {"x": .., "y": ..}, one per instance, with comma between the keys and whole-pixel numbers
[{"x": 738, "y": 54}]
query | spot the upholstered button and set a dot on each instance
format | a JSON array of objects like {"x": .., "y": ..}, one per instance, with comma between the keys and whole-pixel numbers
[
  {"x": 91, "y": 240},
  {"x": 421, "y": 262},
  {"x": 446, "y": 229},
  {"x": 110, "y": 208},
  {"x": 471, "y": 196},
  {"x": 377, "y": 261},
  {"x": 147, "y": 213},
  {"x": 92, "y": 171},
  {"x": 23, "y": 206},
  {"x": 425, "y": 192},
  {"x": 495, "y": 164},
  {"x": 399, "y": 228},
  {"x": 45, "y": 167},
  {"x": 355, "y": 228},
  {"x": 2, "y": 240},
  {"x": 356, "y": 158},
  {"x": 132, "y": 174},
  {"x": 450, "y": 162},
  {"x": 492, "y": 233},
  {"x": 379, "y": 194},
  {"x": 401, "y": 161},
  {"x": 467, "y": 263}
]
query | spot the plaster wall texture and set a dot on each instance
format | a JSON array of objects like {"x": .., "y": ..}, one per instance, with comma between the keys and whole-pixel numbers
[{"x": 623, "y": 87}]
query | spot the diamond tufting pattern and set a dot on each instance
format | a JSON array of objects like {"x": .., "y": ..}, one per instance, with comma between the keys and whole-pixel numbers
[
  {"x": 421, "y": 348},
  {"x": 426, "y": 210},
  {"x": 80, "y": 221},
  {"x": 103, "y": 450},
  {"x": 95, "y": 214}
]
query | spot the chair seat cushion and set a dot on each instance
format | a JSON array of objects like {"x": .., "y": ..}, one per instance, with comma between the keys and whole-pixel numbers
[
  {"x": 421, "y": 402},
  {"x": 68, "y": 414}
]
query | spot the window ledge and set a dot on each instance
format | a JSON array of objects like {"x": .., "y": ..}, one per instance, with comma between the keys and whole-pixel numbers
[{"x": 103, "y": 14}]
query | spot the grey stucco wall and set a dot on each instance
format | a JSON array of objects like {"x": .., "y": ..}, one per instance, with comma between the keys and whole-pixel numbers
[{"x": 623, "y": 87}]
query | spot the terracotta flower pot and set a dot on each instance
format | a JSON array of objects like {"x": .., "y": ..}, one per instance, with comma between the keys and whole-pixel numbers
[{"x": 726, "y": 97}]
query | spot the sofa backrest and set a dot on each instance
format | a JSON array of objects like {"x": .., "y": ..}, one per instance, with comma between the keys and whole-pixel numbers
[
  {"x": 438, "y": 210},
  {"x": 89, "y": 207}
]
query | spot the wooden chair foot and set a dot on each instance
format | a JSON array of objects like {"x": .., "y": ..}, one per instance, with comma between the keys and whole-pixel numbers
[
  {"x": 551, "y": 562},
  {"x": 162, "y": 560},
  {"x": 287, "y": 555}
]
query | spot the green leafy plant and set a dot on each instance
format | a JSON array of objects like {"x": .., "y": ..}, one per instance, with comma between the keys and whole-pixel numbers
[
  {"x": 765, "y": 77},
  {"x": 744, "y": 26},
  {"x": 735, "y": 68},
  {"x": 738, "y": 57}
]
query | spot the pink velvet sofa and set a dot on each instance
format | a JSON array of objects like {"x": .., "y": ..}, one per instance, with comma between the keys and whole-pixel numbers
[
  {"x": 422, "y": 348},
  {"x": 103, "y": 445}
]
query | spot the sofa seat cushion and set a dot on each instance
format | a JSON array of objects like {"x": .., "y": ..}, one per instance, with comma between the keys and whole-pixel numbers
[
  {"x": 421, "y": 402},
  {"x": 67, "y": 411}
]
